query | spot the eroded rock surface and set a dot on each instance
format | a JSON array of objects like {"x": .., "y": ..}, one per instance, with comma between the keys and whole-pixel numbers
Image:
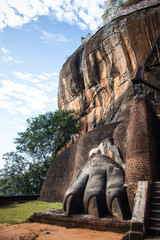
[{"x": 96, "y": 79}]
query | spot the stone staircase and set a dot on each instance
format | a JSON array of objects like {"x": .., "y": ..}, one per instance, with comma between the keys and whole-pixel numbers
[
  {"x": 154, "y": 54},
  {"x": 154, "y": 217}
]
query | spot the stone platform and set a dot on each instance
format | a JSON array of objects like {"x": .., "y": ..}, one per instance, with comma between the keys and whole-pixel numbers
[{"x": 57, "y": 217}]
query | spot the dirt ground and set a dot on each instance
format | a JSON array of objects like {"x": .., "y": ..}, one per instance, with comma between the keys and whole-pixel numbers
[{"x": 31, "y": 231}]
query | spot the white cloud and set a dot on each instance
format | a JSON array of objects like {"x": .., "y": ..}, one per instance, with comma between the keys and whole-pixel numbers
[
  {"x": 23, "y": 76},
  {"x": 3, "y": 97},
  {"x": 34, "y": 78},
  {"x": 18, "y": 61},
  {"x": 16, "y": 13},
  {"x": 48, "y": 88},
  {"x": 48, "y": 37},
  {"x": 51, "y": 74},
  {"x": 8, "y": 58},
  {"x": 28, "y": 93},
  {"x": 4, "y": 50},
  {"x": 31, "y": 97},
  {"x": 42, "y": 77}
]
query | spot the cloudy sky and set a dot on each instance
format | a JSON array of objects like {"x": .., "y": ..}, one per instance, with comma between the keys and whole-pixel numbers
[{"x": 36, "y": 38}]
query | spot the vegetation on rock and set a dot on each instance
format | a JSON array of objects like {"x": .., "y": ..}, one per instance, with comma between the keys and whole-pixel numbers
[{"x": 111, "y": 7}]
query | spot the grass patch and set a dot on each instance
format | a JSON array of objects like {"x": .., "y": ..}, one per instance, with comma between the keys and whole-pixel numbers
[{"x": 20, "y": 212}]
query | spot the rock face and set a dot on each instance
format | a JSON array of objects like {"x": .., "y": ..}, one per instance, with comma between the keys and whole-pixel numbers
[{"x": 96, "y": 79}]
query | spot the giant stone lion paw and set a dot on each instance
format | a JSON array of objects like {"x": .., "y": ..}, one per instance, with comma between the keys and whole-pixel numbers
[{"x": 98, "y": 188}]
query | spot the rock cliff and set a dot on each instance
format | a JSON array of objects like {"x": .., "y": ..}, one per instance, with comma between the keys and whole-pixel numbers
[{"x": 96, "y": 79}]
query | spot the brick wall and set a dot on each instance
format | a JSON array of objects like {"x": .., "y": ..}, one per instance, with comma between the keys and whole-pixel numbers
[
  {"x": 138, "y": 155},
  {"x": 142, "y": 160}
]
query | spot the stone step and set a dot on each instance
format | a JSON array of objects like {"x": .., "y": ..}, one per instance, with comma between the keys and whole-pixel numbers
[
  {"x": 155, "y": 206},
  {"x": 156, "y": 193},
  {"x": 154, "y": 213},
  {"x": 151, "y": 59},
  {"x": 153, "y": 54},
  {"x": 156, "y": 183},
  {"x": 154, "y": 216},
  {"x": 155, "y": 199},
  {"x": 154, "y": 230},
  {"x": 154, "y": 222},
  {"x": 154, "y": 51},
  {"x": 155, "y": 186}
]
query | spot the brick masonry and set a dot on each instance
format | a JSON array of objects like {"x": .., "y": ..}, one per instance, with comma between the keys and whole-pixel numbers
[{"x": 142, "y": 145}]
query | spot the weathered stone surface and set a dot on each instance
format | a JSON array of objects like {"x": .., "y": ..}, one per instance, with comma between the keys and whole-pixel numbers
[
  {"x": 131, "y": 2},
  {"x": 96, "y": 78},
  {"x": 140, "y": 207},
  {"x": 98, "y": 188},
  {"x": 80, "y": 221}
]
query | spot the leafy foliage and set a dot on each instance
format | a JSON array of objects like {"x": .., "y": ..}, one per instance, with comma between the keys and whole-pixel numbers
[
  {"x": 45, "y": 136},
  {"x": 111, "y": 7},
  {"x": 14, "y": 177}
]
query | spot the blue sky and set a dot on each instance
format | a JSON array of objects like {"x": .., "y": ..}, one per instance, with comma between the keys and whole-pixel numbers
[{"x": 36, "y": 38}]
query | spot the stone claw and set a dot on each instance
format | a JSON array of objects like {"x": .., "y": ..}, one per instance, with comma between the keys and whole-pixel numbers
[
  {"x": 73, "y": 205},
  {"x": 98, "y": 187}
]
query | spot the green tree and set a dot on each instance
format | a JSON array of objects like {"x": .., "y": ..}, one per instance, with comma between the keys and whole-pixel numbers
[
  {"x": 111, "y": 7},
  {"x": 45, "y": 136},
  {"x": 13, "y": 177}
]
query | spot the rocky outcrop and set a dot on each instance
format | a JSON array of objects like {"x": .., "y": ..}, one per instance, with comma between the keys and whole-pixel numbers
[
  {"x": 131, "y": 2},
  {"x": 96, "y": 79}
]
